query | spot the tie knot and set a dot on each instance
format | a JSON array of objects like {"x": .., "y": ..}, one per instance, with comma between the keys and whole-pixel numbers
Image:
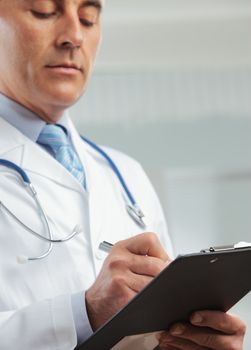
[
  {"x": 55, "y": 139},
  {"x": 53, "y": 136}
]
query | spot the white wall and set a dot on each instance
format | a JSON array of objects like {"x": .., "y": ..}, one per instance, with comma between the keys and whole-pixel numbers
[{"x": 172, "y": 88}]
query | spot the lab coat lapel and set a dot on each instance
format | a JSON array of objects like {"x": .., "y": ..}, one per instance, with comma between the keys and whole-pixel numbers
[
  {"x": 17, "y": 148},
  {"x": 107, "y": 213},
  {"x": 97, "y": 189},
  {"x": 48, "y": 167}
]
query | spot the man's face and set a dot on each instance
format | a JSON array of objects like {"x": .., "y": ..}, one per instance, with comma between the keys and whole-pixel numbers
[{"x": 48, "y": 48}]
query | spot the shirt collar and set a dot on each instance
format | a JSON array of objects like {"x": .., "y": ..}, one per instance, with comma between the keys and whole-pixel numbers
[{"x": 23, "y": 119}]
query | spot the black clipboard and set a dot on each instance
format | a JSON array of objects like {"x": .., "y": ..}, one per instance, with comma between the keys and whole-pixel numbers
[{"x": 211, "y": 280}]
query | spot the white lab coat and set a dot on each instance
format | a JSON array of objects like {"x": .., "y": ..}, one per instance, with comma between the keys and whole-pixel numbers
[{"x": 35, "y": 298}]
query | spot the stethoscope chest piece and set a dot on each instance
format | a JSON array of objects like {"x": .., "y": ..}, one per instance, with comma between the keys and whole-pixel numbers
[{"x": 137, "y": 215}]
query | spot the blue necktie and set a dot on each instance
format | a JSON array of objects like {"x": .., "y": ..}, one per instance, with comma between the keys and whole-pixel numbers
[{"x": 54, "y": 137}]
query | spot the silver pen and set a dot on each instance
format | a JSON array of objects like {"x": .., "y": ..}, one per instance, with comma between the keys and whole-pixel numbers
[{"x": 105, "y": 246}]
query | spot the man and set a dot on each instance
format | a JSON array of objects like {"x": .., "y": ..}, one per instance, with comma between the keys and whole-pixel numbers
[{"x": 58, "y": 298}]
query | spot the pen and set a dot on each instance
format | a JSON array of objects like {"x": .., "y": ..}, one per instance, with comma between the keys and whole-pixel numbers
[{"x": 105, "y": 246}]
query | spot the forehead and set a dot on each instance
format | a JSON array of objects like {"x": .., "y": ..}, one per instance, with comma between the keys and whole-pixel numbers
[{"x": 96, "y": 3}]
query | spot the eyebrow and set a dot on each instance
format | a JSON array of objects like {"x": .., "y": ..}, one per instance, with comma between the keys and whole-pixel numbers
[
  {"x": 93, "y": 3},
  {"x": 86, "y": 3}
]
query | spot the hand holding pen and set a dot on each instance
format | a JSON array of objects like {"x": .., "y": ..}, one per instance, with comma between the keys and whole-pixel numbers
[{"x": 130, "y": 266}]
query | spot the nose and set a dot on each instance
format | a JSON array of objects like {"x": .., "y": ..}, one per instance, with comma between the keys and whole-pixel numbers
[{"x": 70, "y": 32}]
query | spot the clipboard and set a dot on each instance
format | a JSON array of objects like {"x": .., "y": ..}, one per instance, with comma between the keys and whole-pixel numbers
[{"x": 214, "y": 279}]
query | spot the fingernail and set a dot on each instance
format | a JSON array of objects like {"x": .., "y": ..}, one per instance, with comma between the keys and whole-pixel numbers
[
  {"x": 196, "y": 318},
  {"x": 177, "y": 330}
]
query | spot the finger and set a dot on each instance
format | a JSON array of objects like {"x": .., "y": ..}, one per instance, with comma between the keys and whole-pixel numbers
[
  {"x": 121, "y": 279},
  {"x": 146, "y": 265},
  {"x": 219, "y": 321},
  {"x": 181, "y": 344},
  {"x": 167, "y": 347},
  {"x": 137, "y": 282},
  {"x": 122, "y": 261},
  {"x": 206, "y": 337},
  {"x": 164, "y": 345},
  {"x": 147, "y": 244},
  {"x": 120, "y": 292}
]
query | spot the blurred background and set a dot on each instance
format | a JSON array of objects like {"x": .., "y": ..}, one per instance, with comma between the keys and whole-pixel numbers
[{"x": 172, "y": 88}]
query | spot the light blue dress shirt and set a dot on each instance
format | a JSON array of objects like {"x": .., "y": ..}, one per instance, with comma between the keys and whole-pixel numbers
[{"x": 30, "y": 124}]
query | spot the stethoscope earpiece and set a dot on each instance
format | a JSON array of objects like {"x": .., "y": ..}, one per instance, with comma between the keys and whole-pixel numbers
[{"x": 22, "y": 259}]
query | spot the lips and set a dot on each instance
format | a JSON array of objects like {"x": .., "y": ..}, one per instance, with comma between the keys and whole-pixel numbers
[{"x": 66, "y": 66}]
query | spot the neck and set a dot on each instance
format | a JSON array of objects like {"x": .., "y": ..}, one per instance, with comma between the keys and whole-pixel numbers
[{"x": 51, "y": 114}]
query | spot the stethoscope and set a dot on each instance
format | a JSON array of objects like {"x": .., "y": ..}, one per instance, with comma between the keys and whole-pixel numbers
[{"x": 131, "y": 206}]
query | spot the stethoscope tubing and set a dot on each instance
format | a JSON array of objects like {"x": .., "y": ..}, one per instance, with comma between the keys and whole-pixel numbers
[
  {"x": 132, "y": 208},
  {"x": 114, "y": 168},
  {"x": 131, "y": 205}
]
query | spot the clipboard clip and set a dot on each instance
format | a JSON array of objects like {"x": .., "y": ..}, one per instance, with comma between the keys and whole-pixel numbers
[{"x": 224, "y": 248}]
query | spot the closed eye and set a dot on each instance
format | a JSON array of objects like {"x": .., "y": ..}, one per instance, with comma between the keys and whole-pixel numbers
[
  {"x": 43, "y": 15},
  {"x": 86, "y": 23}
]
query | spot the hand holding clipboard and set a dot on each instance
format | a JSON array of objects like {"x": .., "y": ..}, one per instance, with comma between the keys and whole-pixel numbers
[{"x": 212, "y": 280}]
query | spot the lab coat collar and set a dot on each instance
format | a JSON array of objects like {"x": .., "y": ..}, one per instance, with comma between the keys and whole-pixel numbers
[
  {"x": 19, "y": 149},
  {"x": 16, "y": 147}
]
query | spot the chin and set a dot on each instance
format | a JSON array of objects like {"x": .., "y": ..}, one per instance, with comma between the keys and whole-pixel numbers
[{"x": 64, "y": 99}]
